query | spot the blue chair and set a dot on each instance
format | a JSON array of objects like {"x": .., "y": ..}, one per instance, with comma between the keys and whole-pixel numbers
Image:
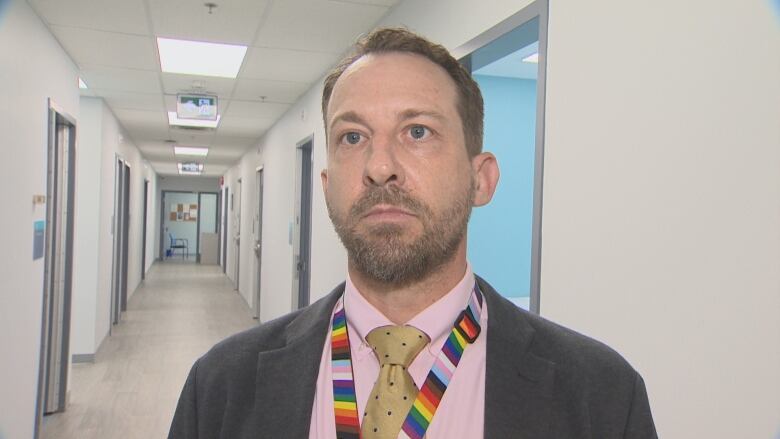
[{"x": 179, "y": 243}]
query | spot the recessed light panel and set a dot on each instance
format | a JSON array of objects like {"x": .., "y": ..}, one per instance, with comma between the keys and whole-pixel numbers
[
  {"x": 190, "y": 150},
  {"x": 532, "y": 58},
  {"x": 200, "y": 58},
  {"x": 173, "y": 119},
  {"x": 82, "y": 84}
]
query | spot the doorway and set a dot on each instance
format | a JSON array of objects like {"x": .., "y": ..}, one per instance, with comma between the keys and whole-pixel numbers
[
  {"x": 257, "y": 230},
  {"x": 58, "y": 256},
  {"x": 504, "y": 237},
  {"x": 302, "y": 224},
  {"x": 120, "y": 230},
  {"x": 208, "y": 224},
  {"x": 180, "y": 225}
]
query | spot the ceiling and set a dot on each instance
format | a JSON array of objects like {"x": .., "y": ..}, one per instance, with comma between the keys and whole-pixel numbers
[
  {"x": 512, "y": 65},
  {"x": 292, "y": 43}
]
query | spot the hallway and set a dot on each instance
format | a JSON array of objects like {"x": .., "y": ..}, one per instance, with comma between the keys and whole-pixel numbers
[{"x": 131, "y": 389}]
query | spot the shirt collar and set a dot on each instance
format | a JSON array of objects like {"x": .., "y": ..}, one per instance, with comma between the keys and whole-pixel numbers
[{"x": 436, "y": 320}]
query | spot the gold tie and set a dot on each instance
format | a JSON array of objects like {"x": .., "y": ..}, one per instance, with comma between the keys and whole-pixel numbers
[{"x": 394, "y": 391}]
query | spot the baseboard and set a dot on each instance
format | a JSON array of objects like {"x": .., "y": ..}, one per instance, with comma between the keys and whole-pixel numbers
[{"x": 83, "y": 358}]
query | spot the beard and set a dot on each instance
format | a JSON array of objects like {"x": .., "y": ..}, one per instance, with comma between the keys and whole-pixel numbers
[{"x": 383, "y": 254}]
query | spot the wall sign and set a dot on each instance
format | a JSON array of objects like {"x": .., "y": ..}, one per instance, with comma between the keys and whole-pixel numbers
[{"x": 39, "y": 232}]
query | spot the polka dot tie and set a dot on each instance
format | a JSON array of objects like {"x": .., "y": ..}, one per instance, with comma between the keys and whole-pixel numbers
[{"x": 394, "y": 391}]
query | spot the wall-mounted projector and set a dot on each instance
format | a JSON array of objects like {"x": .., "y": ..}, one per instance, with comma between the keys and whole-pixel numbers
[{"x": 194, "y": 106}]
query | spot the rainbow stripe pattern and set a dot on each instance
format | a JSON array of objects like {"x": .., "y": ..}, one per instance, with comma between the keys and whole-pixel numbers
[
  {"x": 464, "y": 332},
  {"x": 344, "y": 401}
]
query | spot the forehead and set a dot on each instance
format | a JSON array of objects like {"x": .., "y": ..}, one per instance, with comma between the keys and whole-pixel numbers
[{"x": 393, "y": 78}]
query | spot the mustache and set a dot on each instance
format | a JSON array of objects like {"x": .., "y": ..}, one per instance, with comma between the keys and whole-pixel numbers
[{"x": 390, "y": 195}]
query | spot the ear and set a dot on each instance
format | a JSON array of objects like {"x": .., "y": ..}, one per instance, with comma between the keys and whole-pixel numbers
[
  {"x": 324, "y": 178},
  {"x": 486, "y": 174}
]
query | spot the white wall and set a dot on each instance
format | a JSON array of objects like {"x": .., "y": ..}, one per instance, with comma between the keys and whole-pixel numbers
[
  {"x": 661, "y": 227},
  {"x": 276, "y": 152},
  {"x": 87, "y": 216},
  {"x": 117, "y": 144},
  {"x": 33, "y": 68},
  {"x": 101, "y": 139},
  {"x": 661, "y": 196}
]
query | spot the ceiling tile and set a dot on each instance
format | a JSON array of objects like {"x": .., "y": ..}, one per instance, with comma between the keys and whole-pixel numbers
[
  {"x": 190, "y": 138},
  {"x": 388, "y": 3},
  {"x": 127, "y": 16},
  {"x": 244, "y": 127},
  {"x": 100, "y": 78},
  {"x": 133, "y": 101},
  {"x": 214, "y": 170},
  {"x": 326, "y": 26},
  {"x": 155, "y": 151},
  {"x": 286, "y": 65},
  {"x": 108, "y": 48},
  {"x": 164, "y": 167},
  {"x": 249, "y": 109},
  {"x": 174, "y": 83},
  {"x": 274, "y": 91},
  {"x": 144, "y": 133},
  {"x": 232, "y": 22},
  {"x": 137, "y": 118},
  {"x": 223, "y": 140}
]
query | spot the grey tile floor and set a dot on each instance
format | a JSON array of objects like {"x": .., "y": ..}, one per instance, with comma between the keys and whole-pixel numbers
[{"x": 131, "y": 389}]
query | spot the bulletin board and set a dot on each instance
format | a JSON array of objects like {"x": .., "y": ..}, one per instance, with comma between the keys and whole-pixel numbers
[{"x": 183, "y": 212}]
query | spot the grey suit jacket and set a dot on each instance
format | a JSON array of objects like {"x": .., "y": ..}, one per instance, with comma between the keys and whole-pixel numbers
[{"x": 542, "y": 381}]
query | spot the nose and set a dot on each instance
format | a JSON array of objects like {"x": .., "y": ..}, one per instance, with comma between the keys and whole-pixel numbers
[{"x": 382, "y": 167}]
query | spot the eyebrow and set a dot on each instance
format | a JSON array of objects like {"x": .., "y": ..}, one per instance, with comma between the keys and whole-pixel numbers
[
  {"x": 349, "y": 116},
  {"x": 412, "y": 113}
]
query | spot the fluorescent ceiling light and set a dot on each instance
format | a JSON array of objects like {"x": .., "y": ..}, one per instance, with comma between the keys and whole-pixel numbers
[
  {"x": 82, "y": 84},
  {"x": 190, "y": 168},
  {"x": 199, "y": 58},
  {"x": 189, "y": 150},
  {"x": 173, "y": 119},
  {"x": 532, "y": 58}
]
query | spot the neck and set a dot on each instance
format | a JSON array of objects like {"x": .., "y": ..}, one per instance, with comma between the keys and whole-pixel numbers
[{"x": 401, "y": 303}]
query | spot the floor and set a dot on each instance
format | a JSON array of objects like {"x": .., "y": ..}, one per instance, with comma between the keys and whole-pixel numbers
[{"x": 131, "y": 389}]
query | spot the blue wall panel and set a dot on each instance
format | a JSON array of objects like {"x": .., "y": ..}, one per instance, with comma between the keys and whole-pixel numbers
[{"x": 499, "y": 237}]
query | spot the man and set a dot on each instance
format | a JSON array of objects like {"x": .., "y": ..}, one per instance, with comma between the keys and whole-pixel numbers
[{"x": 413, "y": 344}]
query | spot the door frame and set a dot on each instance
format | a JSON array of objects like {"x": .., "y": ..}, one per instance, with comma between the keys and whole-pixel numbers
[
  {"x": 120, "y": 228},
  {"x": 301, "y": 263},
  {"x": 537, "y": 9},
  {"x": 58, "y": 264},
  {"x": 257, "y": 231},
  {"x": 237, "y": 237},
  {"x": 143, "y": 229},
  {"x": 197, "y": 229},
  {"x": 224, "y": 234}
]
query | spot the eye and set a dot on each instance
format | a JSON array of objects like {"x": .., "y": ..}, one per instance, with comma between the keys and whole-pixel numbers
[
  {"x": 352, "y": 138},
  {"x": 419, "y": 132}
]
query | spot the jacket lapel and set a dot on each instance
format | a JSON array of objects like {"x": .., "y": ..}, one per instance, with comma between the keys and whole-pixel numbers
[
  {"x": 518, "y": 384},
  {"x": 287, "y": 377}
]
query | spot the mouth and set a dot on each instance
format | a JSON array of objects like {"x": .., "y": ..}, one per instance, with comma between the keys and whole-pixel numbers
[{"x": 386, "y": 212}]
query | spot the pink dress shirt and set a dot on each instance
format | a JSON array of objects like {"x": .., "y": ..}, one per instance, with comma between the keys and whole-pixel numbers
[{"x": 461, "y": 413}]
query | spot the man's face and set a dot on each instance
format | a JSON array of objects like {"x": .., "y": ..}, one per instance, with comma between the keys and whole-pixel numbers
[{"x": 399, "y": 184}]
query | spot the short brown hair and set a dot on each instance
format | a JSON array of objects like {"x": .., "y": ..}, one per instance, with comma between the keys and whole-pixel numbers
[{"x": 470, "y": 105}]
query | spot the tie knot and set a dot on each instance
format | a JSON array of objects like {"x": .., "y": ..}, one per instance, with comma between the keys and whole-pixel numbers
[{"x": 396, "y": 344}]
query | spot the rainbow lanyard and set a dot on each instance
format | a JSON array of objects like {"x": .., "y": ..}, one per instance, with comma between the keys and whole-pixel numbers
[{"x": 465, "y": 331}]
